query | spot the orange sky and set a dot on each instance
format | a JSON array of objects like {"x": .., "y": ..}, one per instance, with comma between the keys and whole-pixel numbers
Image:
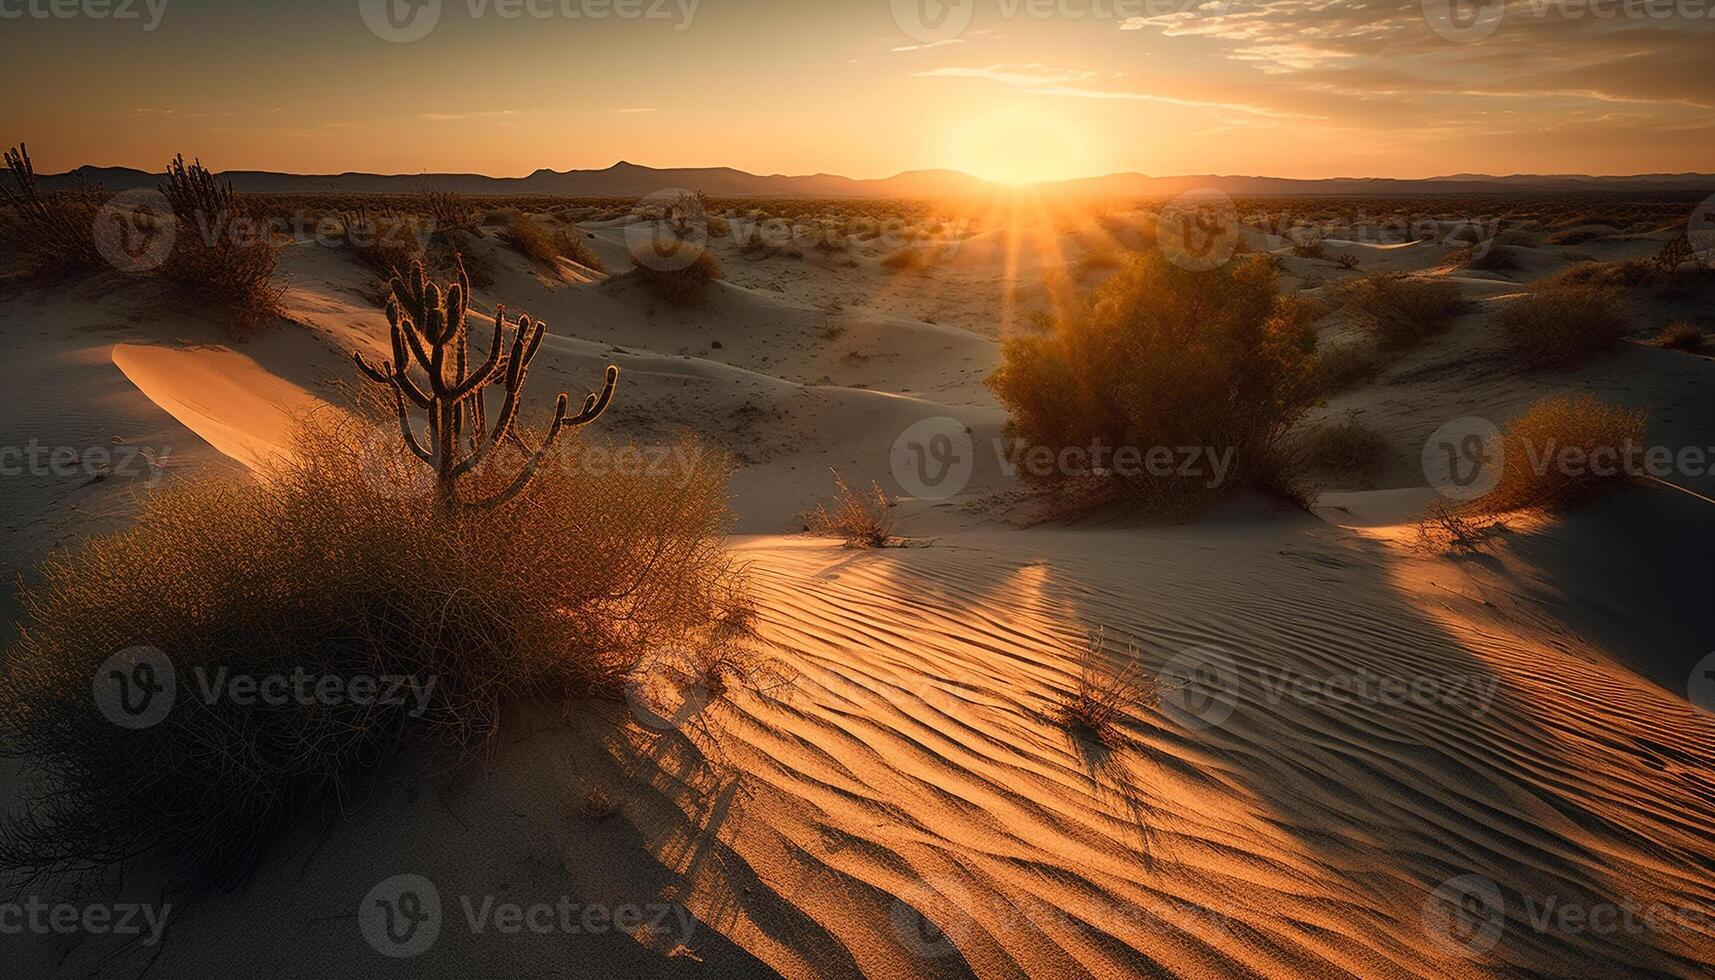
[{"x": 1004, "y": 89}]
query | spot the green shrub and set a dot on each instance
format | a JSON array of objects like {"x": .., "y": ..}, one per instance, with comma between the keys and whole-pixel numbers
[
  {"x": 1162, "y": 356},
  {"x": 1396, "y": 309},
  {"x": 1563, "y": 321}
]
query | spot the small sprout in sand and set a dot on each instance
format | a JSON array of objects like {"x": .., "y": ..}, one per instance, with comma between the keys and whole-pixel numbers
[
  {"x": 861, "y": 518},
  {"x": 1448, "y": 527},
  {"x": 1105, "y": 693}
]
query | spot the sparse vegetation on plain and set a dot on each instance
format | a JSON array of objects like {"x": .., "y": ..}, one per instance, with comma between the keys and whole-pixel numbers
[{"x": 860, "y": 518}]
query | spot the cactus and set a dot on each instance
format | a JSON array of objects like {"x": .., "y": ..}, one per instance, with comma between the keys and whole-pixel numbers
[{"x": 429, "y": 330}]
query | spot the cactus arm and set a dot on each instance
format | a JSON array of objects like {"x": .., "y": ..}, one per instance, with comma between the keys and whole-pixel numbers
[
  {"x": 528, "y": 473},
  {"x": 407, "y": 431},
  {"x": 481, "y": 376},
  {"x": 594, "y": 404}
]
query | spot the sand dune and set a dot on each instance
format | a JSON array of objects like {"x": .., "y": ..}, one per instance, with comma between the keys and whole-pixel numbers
[{"x": 895, "y": 797}]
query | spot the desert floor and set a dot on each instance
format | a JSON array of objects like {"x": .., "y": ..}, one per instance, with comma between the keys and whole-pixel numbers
[{"x": 898, "y": 799}]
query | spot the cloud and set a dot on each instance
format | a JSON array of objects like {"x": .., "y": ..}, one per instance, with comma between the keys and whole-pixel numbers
[{"x": 1040, "y": 79}]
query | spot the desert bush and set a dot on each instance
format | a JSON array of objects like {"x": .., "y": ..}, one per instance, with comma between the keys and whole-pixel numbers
[
  {"x": 907, "y": 258},
  {"x": 1590, "y": 273},
  {"x": 1563, "y": 321},
  {"x": 861, "y": 518},
  {"x": 572, "y": 245},
  {"x": 1581, "y": 234},
  {"x": 1341, "y": 366},
  {"x": 445, "y": 209},
  {"x": 1104, "y": 694},
  {"x": 220, "y": 255},
  {"x": 1681, "y": 335},
  {"x": 1347, "y": 446},
  {"x": 1396, "y": 309},
  {"x": 386, "y": 244},
  {"x": 530, "y": 240},
  {"x": 1492, "y": 258},
  {"x": 1347, "y": 260},
  {"x": 338, "y": 564},
  {"x": 1163, "y": 356},
  {"x": 1309, "y": 246},
  {"x": 1561, "y": 450},
  {"x": 54, "y": 232},
  {"x": 680, "y": 279}
]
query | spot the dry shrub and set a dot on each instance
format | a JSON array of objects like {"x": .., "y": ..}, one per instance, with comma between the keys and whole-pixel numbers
[
  {"x": 1397, "y": 309},
  {"x": 1343, "y": 366},
  {"x": 530, "y": 240},
  {"x": 1104, "y": 695},
  {"x": 862, "y": 518},
  {"x": 680, "y": 277},
  {"x": 54, "y": 232},
  {"x": 221, "y": 255},
  {"x": 1631, "y": 272},
  {"x": 1489, "y": 256},
  {"x": 1561, "y": 450},
  {"x": 1346, "y": 446},
  {"x": 1447, "y": 526},
  {"x": 907, "y": 258},
  {"x": 338, "y": 564},
  {"x": 1159, "y": 356},
  {"x": 571, "y": 244},
  {"x": 1563, "y": 321},
  {"x": 1681, "y": 335},
  {"x": 386, "y": 244}
]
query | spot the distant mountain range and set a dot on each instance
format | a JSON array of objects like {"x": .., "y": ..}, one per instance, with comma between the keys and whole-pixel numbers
[{"x": 631, "y": 180}]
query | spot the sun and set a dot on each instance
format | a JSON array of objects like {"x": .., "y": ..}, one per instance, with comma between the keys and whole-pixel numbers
[{"x": 1020, "y": 145}]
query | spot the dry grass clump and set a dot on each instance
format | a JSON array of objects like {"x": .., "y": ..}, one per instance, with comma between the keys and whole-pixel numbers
[
  {"x": 1347, "y": 446},
  {"x": 1447, "y": 526},
  {"x": 1485, "y": 257},
  {"x": 1681, "y": 335},
  {"x": 1563, "y": 321},
  {"x": 861, "y": 518},
  {"x": 1561, "y": 450},
  {"x": 679, "y": 278},
  {"x": 530, "y": 240},
  {"x": 1104, "y": 695},
  {"x": 1161, "y": 356},
  {"x": 907, "y": 258},
  {"x": 340, "y": 564},
  {"x": 386, "y": 244},
  {"x": 1342, "y": 366},
  {"x": 571, "y": 244},
  {"x": 1397, "y": 309},
  {"x": 54, "y": 232},
  {"x": 220, "y": 255},
  {"x": 1580, "y": 234}
]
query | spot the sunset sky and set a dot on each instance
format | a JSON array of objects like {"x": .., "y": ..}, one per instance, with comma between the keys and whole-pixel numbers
[{"x": 1281, "y": 87}]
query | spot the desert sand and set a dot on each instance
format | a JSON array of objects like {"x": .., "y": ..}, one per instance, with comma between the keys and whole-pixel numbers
[{"x": 897, "y": 799}]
